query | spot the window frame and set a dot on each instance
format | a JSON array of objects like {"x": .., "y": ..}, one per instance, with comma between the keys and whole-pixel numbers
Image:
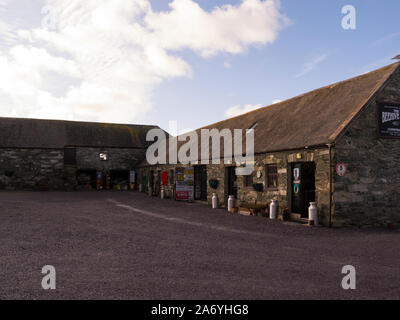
[
  {"x": 268, "y": 174},
  {"x": 245, "y": 181},
  {"x": 68, "y": 157}
]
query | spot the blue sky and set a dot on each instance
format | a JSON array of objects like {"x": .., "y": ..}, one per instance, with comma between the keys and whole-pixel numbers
[
  {"x": 181, "y": 78},
  {"x": 267, "y": 73}
]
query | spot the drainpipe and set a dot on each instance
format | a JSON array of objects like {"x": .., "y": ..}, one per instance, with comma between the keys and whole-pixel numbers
[{"x": 330, "y": 184}]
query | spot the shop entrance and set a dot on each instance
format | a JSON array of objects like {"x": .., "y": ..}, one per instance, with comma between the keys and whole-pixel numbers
[
  {"x": 200, "y": 183},
  {"x": 230, "y": 182},
  {"x": 86, "y": 179},
  {"x": 119, "y": 179},
  {"x": 303, "y": 187},
  {"x": 151, "y": 181}
]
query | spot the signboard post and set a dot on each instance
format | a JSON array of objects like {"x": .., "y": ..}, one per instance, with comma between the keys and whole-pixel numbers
[
  {"x": 184, "y": 184},
  {"x": 132, "y": 179}
]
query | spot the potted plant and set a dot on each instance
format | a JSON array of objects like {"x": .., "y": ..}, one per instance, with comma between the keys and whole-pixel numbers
[
  {"x": 256, "y": 208},
  {"x": 265, "y": 212},
  {"x": 258, "y": 187},
  {"x": 285, "y": 214},
  {"x": 213, "y": 183}
]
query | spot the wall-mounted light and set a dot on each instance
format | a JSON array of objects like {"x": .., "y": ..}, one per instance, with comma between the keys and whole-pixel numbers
[{"x": 103, "y": 156}]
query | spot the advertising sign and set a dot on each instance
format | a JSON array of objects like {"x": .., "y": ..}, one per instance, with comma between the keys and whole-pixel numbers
[
  {"x": 185, "y": 183},
  {"x": 296, "y": 188},
  {"x": 389, "y": 120},
  {"x": 164, "y": 178},
  {"x": 132, "y": 176},
  {"x": 296, "y": 175}
]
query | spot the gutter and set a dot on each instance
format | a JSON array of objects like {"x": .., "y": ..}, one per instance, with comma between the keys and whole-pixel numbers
[{"x": 330, "y": 184}]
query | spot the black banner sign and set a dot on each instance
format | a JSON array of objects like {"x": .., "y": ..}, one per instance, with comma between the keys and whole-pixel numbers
[{"x": 389, "y": 120}]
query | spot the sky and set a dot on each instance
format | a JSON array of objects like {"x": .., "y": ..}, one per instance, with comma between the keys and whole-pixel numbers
[{"x": 194, "y": 62}]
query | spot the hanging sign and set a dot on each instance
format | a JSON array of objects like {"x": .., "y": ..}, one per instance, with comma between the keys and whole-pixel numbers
[
  {"x": 296, "y": 188},
  {"x": 341, "y": 169},
  {"x": 296, "y": 174},
  {"x": 389, "y": 120},
  {"x": 164, "y": 178},
  {"x": 132, "y": 176}
]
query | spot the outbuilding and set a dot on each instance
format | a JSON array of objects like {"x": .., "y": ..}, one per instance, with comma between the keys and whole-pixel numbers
[
  {"x": 69, "y": 155},
  {"x": 338, "y": 146}
]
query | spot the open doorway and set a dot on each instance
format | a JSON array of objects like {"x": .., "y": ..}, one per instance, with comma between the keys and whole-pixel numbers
[
  {"x": 230, "y": 182},
  {"x": 119, "y": 179},
  {"x": 303, "y": 187},
  {"x": 200, "y": 183},
  {"x": 86, "y": 179}
]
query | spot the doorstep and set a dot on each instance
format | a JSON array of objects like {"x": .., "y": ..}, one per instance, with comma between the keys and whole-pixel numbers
[{"x": 296, "y": 217}]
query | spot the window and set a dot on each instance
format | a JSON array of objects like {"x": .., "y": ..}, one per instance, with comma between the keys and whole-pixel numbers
[
  {"x": 271, "y": 176},
  {"x": 9, "y": 173},
  {"x": 248, "y": 180},
  {"x": 70, "y": 156}
]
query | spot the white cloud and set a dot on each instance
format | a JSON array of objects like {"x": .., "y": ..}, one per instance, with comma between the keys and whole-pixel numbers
[
  {"x": 388, "y": 38},
  {"x": 225, "y": 29},
  {"x": 109, "y": 56},
  {"x": 6, "y": 28},
  {"x": 238, "y": 110},
  {"x": 276, "y": 101},
  {"x": 227, "y": 65},
  {"x": 310, "y": 65}
]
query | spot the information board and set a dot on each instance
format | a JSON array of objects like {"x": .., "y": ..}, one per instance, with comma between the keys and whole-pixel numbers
[
  {"x": 389, "y": 120},
  {"x": 184, "y": 183}
]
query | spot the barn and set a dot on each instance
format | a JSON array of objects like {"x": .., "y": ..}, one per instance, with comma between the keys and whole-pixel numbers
[
  {"x": 337, "y": 146},
  {"x": 68, "y": 155}
]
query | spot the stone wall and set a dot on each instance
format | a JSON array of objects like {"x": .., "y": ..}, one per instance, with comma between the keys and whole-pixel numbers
[
  {"x": 284, "y": 160},
  {"x": 31, "y": 169},
  {"x": 369, "y": 194},
  {"x": 44, "y": 169},
  {"x": 248, "y": 195},
  {"x": 118, "y": 158}
]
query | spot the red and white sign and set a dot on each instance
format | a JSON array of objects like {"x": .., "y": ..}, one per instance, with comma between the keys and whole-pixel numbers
[
  {"x": 182, "y": 195},
  {"x": 341, "y": 169}
]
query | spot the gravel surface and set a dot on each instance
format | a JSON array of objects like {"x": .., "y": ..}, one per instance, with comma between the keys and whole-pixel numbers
[{"x": 123, "y": 245}]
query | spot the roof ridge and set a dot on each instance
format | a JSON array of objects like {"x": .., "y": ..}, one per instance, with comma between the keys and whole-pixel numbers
[{"x": 78, "y": 121}]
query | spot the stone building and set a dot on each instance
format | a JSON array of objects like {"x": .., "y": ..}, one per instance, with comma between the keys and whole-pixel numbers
[
  {"x": 338, "y": 146},
  {"x": 66, "y": 155}
]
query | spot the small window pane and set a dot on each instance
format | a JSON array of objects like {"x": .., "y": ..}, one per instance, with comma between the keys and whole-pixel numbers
[
  {"x": 248, "y": 180},
  {"x": 272, "y": 176},
  {"x": 70, "y": 156}
]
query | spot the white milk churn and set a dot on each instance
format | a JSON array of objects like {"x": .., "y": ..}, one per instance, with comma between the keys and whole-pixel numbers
[
  {"x": 231, "y": 203},
  {"x": 313, "y": 214},
  {"x": 214, "y": 201},
  {"x": 273, "y": 209}
]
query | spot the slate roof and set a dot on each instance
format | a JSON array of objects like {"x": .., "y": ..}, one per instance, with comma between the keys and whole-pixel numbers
[
  {"x": 35, "y": 133},
  {"x": 312, "y": 119}
]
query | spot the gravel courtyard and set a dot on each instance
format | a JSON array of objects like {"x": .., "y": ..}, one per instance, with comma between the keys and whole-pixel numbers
[{"x": 123, "y": 245}]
